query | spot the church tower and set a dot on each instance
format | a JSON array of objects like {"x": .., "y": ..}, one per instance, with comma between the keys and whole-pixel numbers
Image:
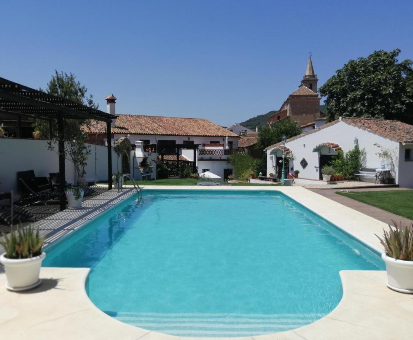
[{"x": 310, "y": 79}]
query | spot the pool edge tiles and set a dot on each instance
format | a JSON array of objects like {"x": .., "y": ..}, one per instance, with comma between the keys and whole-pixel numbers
[{"x": 364, "y": 293}]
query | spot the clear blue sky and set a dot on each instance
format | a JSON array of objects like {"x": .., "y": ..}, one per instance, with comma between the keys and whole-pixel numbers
[{"x": 226, "y": 60}]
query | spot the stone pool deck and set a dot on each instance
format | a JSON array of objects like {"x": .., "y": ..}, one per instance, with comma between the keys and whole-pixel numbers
[{"x": 60, "y": 308}]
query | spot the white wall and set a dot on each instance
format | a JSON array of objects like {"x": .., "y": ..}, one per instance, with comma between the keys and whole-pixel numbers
[
  {"x": 29, "y": 154},
  {"x": 216, "y": 167},
  {"x": 342, "y": 134},
  {"x": 405, "y": 167}
]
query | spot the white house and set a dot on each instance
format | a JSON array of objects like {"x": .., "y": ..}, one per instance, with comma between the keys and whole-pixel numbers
[
  {"x": 240, "y": 130},
  {"x": 314, "y": 148},
  {"x": 214, "y": 143}
]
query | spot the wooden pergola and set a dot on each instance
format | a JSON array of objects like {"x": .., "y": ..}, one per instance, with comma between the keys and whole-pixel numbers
[{"x": 21, "y": 100}]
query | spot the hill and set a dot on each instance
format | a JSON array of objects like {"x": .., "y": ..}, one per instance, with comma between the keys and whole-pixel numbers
[
  {"x": 259, "y": 120},
  {"x": 262, "y": 120}
]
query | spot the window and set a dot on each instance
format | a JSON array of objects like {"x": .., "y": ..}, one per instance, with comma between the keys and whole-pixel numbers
[
  {"x": 278, "y": 117},
  {"x": 214, "y": 142},
  {"x": 167, "y": 147},
  {"x": 188, "y": 142},
  {"x": 205, "y": 170},
  {"x": 146, "y": 141},
  {"x": 230, "y": 145},
  {"x": 408, "y": 155},
  {"x": 310, "y": 86}
]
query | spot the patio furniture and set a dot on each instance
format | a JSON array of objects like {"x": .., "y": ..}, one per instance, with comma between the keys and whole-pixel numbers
[
  {"x": 11, "y": 214},
  {"x": 369, "y": 173},
  {"x": 34, "y": 189}
]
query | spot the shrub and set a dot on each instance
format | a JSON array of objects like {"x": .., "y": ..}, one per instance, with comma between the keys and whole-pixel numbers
[
  {"x": 398, "y": 242},
  {"x": 244, "y": 165},
  {"x": 350, "y": 163},
  {"x": 328, "y": 170}
]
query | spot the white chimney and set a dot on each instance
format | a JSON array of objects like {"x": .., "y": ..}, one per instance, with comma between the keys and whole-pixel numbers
[{"x": 111, "y": 102}]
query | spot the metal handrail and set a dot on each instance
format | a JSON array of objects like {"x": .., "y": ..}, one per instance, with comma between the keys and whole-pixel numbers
[{"x": 135, "y": 185}]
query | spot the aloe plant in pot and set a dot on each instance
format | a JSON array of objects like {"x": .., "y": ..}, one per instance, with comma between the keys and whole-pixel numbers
[
  {"x": 22, "y": 258},
  {"x": 398, "y": 256}
]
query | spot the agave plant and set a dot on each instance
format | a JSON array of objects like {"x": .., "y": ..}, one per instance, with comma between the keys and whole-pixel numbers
[
  {"x": 398, "y": 242},
  {"x": 23, "y": 244}
]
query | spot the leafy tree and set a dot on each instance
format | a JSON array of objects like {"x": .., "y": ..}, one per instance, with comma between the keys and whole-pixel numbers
[
  {"x": 378, "y": 86},
  {"x": 272, "y": 134},
  {"x": 66, "y": 86}
]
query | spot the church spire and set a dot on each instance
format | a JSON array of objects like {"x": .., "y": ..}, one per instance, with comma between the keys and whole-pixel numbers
[
  {"x": 310, "y": 78},
  {"x": 310, "y": 70}
]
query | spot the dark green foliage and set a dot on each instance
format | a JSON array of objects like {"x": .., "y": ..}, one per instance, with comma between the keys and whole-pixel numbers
[
  {"x": 65, "y": 86},
  {"x": 378, "y": 86},
  {"x": 272, "y": 134},
  {"x": 260, "y": 120},
  {"x": 244, "y": 165},
  {"x": 350, "y": 163}
]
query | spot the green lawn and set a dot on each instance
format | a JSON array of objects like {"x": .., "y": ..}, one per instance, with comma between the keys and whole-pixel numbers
[
  {"x": 187, "y": 181},
  {"x": 399, "y": 202}
]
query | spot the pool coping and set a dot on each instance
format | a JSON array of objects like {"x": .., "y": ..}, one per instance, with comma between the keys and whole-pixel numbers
[{"x": 368, "y": 309}]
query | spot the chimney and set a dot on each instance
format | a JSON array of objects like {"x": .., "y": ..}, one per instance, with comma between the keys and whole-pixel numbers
[{"x": 111, "y": 101}]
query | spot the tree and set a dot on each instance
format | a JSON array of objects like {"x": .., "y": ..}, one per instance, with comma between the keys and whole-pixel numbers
[
  {"x": 378, "y": 86},
  {"x": 272, "y": 134},
  {"x": 75, "y": 149},
  {"x": 66, "y": 86}
]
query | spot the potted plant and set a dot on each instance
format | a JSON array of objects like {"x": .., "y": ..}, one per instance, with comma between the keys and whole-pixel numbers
[
  {"x": 36, "y": 134},
  {"x": 327, "y": 172},
  {"x": 74, "y": 195},
  {"x": 398, "y": 256},
  {"x": 1, "y": 132},
  {"x": 296, "y": 172},
  {"x": 118, "y": 179},
  {"x": 271, "y": 174},
  {"x": 22, "y": 258}
]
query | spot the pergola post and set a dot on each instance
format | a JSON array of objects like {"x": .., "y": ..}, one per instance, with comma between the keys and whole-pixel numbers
[
  {"x": 194, "y": 165},
  {"x": 62, "y": 169},
  {"x": 109, "y": 138},
  {"x": 19, "y": 126},
  {"x": 50, "y": 129},
  {"x": 177, "y": 161}
]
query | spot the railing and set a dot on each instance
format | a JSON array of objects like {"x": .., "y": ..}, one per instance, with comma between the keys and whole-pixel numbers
[{"x": 219, "y": 152}]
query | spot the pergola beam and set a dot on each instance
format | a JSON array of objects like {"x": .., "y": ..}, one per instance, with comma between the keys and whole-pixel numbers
[{"x": 49, "y": 106}]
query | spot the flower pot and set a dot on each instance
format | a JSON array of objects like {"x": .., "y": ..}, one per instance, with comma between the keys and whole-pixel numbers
[
  {"x": 326, "y": 178},
  {"x": 22, "y": 274},
  {"x": 72, "y": 202},
  {"x": 399, "y": 274}
]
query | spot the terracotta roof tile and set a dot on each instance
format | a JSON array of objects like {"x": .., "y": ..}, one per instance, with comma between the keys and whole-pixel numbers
[
  {"x": 391, "y": 129},
  {"x": 304, "y": 91},
  {"x": 157, "y": 125},
  {"x": 247, "y": 141}
]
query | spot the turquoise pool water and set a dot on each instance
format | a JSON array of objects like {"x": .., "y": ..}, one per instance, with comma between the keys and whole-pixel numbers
[{"x": 214, "y": 263}]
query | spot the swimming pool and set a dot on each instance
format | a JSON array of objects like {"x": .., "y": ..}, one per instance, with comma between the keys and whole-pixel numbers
[{"x": 215, "y": 263}]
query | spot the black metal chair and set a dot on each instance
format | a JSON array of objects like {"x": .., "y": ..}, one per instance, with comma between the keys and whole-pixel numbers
[{"x": 34, "y": 189}]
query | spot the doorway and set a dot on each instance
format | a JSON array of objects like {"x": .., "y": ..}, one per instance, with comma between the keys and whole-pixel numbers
[
  {"x": 227, "y": 173},
  {"x": 324, "y": 160}
]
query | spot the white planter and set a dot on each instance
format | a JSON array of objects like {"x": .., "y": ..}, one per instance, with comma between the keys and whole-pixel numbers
[
  {"x": 399, "y": 274},
  {"x": 22, "y": 274},
  {"x": 72, "y": 201},
  {"x": 326, "y": 178},
  {"x": 288, "y": 182}
]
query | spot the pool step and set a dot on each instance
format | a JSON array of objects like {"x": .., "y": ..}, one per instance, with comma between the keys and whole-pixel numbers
[{"x": 216, "y": 325}]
